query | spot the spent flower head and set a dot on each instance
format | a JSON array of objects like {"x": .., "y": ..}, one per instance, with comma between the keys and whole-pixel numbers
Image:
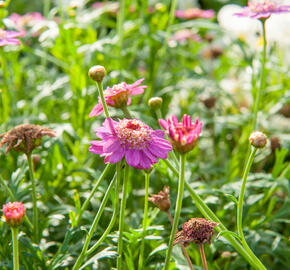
[
  {"x": 132, "y": 139},
  {"x": 9, "y": 37},
  {"x": 197, "y": 230},
  {"x": 182, "y": 135},
  {"x": 119, "y": 96},
  {"x": 13, "y": 213},
  {"x": 262, "y": 9},
  {"x": 162, "y": 199},
  {"x": 24, "y": 138},
  {"x": 258, "y": 139}
]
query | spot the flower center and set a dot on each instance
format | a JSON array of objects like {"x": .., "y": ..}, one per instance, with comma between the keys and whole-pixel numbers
[{"x": 133, "y": 133}]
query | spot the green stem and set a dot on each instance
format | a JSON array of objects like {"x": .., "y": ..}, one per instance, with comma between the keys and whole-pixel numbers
[
  {"x": 177, "y": 209},
  {"x": 158, "y": 113},
  {"x": 122, "y": 217},
  {"x": 145, "y": 221},
  {"x": 15, "y": 244},
  {"x": 114, "y": 216},
  {"x": 262, "y": 78},
  {"x": 34, "y": 199},
  {"x": 120, "y": 27},
  {"x": 87, "y": 201},
  {"x": 126, "y": 112},
  {"x": 203, "y": 258},
  {"x": 5, "y": 93},
  {"x": 13, "y": 198},
  {"x": 207, "y": 213},
  {"x": 101, "y": 94},
  {"x": 83, "y": 254}
]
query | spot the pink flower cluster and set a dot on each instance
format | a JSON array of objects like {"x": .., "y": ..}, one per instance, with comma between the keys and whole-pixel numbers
[
  {"x": 9, "y": 37},
  {"x": 194, "y": 13},
  {"x": 14, "y": 213},
  {"x": 27, "y": 20}
]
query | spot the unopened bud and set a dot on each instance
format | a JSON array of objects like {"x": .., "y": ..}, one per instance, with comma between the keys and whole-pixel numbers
[
  {"x": 97, "y": 73},
  {"x": 155, "y": 102},
  {"x": 14, "y": 213},
  {"x": 258, "y": 139}
]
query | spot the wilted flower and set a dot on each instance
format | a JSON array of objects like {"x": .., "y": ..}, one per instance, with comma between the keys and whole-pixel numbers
[
  {"x": 182, "y": 135},
  {"x": 118, "y": 96},
  {"x": 258, "y": 139},
  {"x": 14, "y": 213},
  {"x": 25, "y": 138},
  {"x": 262, "y": 10},
  {"x": 197, "y": 230},
  {"x": 194, "y": 13},
  {"x": 162, "y": 199},
  {"x": 9, "y": 37},
  {"x": 132, "y": 139}
]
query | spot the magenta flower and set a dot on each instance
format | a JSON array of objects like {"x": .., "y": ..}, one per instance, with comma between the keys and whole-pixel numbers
[
  {"x": 262, "y": 10},
  {"x": 9, "y": 37},
  {"x": 118, "y": 96},
  {"x": 132, "y": 139},
  {"x": 182, "y": 135},
  {"x": 194, "y": 13},
  {"x": 14, "y": 213}
]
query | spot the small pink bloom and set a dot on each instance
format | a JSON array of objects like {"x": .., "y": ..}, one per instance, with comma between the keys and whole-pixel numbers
[
  {"x": 132, "y": 139},
  {"x": 118, "y": 96},
  {"x": 182, "y": 135},
  {"x": 186, "y": 34},
  {"x": 9, "y": 37},
  {"x": 194, "y": 13},
  {"x": 14, "y": 213},
  {"x": 262, "y": 10}
]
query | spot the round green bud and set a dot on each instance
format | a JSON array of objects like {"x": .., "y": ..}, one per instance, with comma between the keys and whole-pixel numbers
[
  {"x": 97, "y": 73},
  {"x": 258, "y": 139},
  {"x": 155, "y": 102}
]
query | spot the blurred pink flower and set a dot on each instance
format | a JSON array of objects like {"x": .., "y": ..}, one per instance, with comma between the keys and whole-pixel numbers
[
  {"x": 186, "y": 34},
  {"x": 182, "y": 135},
  {"x": 132, "y": 139},
  {"x": 14, "y": 213},
  {"x": 262, "y": 10},
  {"x": 9, "y": 37},
  {"x": 118, "y": 96},
  {"x": 194, "y": 13}
]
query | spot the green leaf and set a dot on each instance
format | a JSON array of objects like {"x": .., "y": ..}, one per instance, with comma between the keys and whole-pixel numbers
[{"x": 222, "y": 233}]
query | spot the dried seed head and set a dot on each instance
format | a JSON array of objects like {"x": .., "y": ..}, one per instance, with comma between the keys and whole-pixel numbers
[
  {"x": 24, "y": 138},
  {"x": 197, "y": 230},
  {"x": 162, "y": 199},
  {"x": 285, "y": 110},
  {"x": 13, "y": 213},
  {"x": 155, "y": 102},
  {"x": 258, "y": 139},
  {"x": 275, "y": 143},
  {"x": 209, "y": 102},
  {"x": 97, "y": 73}
]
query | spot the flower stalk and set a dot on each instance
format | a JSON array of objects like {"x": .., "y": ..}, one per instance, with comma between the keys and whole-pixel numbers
[
  {"x": 203, "y": 258},
  {"x": 15, "y": 244},
  {"x": 177, "y": 208},
  {"x": 101, "y": 94}
]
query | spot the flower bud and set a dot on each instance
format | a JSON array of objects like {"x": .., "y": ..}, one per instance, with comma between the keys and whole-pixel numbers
[
  {"x": 97, "y": 73},
  {"x": 258, "y": 139},
  {"x": 162, "y": 199},
  {"x": 14, "y": 213},
  {"x": 155, "y": 102}
]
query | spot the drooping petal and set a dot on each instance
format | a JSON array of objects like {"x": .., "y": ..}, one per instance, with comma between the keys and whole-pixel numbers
[
  {"x": 111, "y": 145},
  {"x": 97, "y": 110},
  {"x": 117, "y": 155},
  {"x": 157, "y": 151},
  {"x": 163, "y": 123},
  {"x": 132, "y": 157}
]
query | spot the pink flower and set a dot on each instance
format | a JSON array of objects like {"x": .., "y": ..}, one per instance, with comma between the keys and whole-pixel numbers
[
  {"x": 182, "y": 135},
  {"x": 14, "y": 213},
  {"x": 28, "y": 19},
  {"x": 194, "y": 13},
  {"x": 118, "y": 96},
  {"x": 186, "y": 34},
  {"x": 132, "y": 139},
  {"x": 262, "y": 10},
  {"x": 9, "y": 37}
]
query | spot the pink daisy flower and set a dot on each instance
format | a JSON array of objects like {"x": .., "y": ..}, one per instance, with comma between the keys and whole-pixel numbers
[
  {"x": 14, "y": 213},
  {"x": 118, "y": 96},
  {"x": 9, "y": 37},
  {"x": 132, "y": 139},
  {"x": 262, "y": 10},
  {"x": 182, "y": 135},
  {"x": 194, "y": 13}
]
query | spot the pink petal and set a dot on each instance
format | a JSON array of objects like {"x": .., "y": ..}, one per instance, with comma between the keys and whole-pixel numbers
[
  {"x": 157, "y": 151},
  {"x": 163, "y": 123},
  {"x": 132, "y": 157},
  {"x": 129, "y": 101},
  {"x": 111, "y": 145},
  {"x": 97, "y": 110},
  {"x": 159, "y": 132},
  {"x": 117, "y": 155}
]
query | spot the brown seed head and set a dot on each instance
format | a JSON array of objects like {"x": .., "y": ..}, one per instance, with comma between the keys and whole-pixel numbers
[
  {"x": 162, "y": 199},
  {"x": 275, "y": 143},
  {"x": 197, "y": 230},
  {"x": 155, "y": 102},
  {"x": 209, "y": 102},
  {"x": 24, "y": 138},
  {"x": 258, "y": 139},
  {"x": 285, "y": 110},
  {"x": 97, "y": 73}
]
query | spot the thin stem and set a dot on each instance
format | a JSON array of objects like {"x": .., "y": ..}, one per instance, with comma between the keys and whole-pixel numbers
[
  {"x": 34, "y": 199},
  {"x": 182, "y": 246},
  {"x": 5, "y": 93},
  {"x": 177, "y": 209},
  {"x": 122, "y": 217},
  {"x": 83, "y": 254},
  {"x": 120, "y": 27},
  {"x": 207, "y": 213},
  {"x": 15, "y": 245},
  {"x": 87, "y": 201},
  {"x": 115, "y": 211},
  {"x": 158, "y": 113},
  {"x": 101, "y": 94},
  {"x": 203, "y": 258},
  {"x": 126, "y": 112},
  {"x": 145, "y": 221},
  {"x": 262, "y": 77}
]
